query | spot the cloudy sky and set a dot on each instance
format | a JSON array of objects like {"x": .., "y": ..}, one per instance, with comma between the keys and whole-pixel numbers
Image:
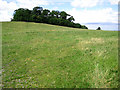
[{"x": 84, "y": 11}]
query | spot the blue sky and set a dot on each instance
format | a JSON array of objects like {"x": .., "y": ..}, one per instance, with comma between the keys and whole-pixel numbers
[{"x": 84, "y": 11}]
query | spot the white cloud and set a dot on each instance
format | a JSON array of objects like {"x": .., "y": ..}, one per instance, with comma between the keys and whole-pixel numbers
[
  {"x": 4, "y": 16},
  {"x": 85, "y": 3},
  {"x": 31, "y": 3},
  {"x": 91, "y": 3},
  {"x": 7, "y": 9},
  {"x": 87, "y": 16},
  {"x": 60, "y": 1},
  {"x": 113, "y": 2},
  {"x": 7, "y": 6}
]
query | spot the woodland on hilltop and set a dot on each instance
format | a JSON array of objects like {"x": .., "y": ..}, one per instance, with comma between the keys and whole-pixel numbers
[{"x": 40, "y": 15}]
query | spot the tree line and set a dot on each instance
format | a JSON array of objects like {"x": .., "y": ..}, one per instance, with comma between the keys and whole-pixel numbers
[{"x": 40, "y": 15}]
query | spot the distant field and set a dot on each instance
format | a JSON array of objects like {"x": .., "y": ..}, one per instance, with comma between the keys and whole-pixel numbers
[{"x": 48, "y": 56}]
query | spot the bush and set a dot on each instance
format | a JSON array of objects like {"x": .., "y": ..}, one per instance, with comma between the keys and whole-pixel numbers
[
  {"x": 77, "y": 25},
  {"x": 98, "y": 28},
  {"x": 84, "y": 27}
]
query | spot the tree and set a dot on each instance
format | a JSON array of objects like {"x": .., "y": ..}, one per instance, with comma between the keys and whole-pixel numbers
[
  {"x": 71, "y": 19},
  {"x": 54, "y": 21},
  {"x": 84, "y": 27},
  {"x": 37, "y": 10},
  {"x": 21, "y": 14},
  {"x": 45, "y": 13},
  {"x": 52, "y": 14},
  {"x": 55, "y": 14},
  {"x": 63, "y": 15},
  {"x": 70, "y": 24},
  {"x": 77, "y": 25},
  {"x": 98, "y": 28},
  {"x": 35, "y": 15}
]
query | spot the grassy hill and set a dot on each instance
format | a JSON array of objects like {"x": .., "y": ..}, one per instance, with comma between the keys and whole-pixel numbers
[{"x": 37, "y": 55}]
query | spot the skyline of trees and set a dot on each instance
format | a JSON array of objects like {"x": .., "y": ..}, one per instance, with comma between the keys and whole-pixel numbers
[{"x": 40, "y": 15}]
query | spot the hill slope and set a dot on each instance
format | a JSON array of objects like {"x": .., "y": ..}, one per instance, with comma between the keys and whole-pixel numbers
[{"x": 42, "y": 55}]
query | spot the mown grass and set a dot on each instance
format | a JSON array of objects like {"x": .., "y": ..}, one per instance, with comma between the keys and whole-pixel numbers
[{"x": 47, "y": 56}]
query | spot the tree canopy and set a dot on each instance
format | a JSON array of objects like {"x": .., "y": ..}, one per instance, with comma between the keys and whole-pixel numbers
[{"x": 40, "y": 15}]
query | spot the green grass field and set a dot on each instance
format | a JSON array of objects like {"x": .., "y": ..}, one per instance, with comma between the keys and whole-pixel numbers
[{"x": 37, "y": 55}]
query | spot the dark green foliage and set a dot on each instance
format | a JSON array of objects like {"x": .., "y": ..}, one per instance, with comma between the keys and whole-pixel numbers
[
  {"x": 71, "y": 19},
  {"x": 63, "y": 15},
  {"x": 22, "y": 15},
  {"x": 54, "y": 21},
  {"x": 37, "y": 10},
  {"x": 55, "y": 14},
  {"x": 45, "y": 13},
  {"x": 98, "y": 28},
  {"x": 40, "y": 15},
  {"x": 77, "y": 25},
  {"x": 84, "y": 27}
]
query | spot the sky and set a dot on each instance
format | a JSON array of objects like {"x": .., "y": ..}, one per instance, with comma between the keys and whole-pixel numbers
[{"x": 84, "y": 11}]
